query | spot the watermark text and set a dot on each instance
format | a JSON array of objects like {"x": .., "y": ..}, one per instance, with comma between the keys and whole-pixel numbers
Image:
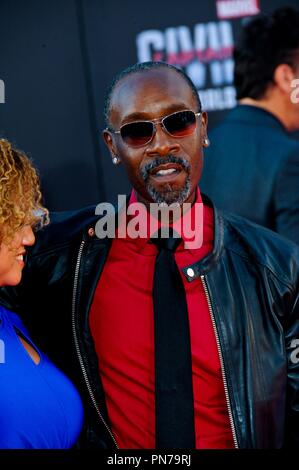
[
  {"x": 295, "y": 92},
  {"x": 139, "y": 221},
  {"x": 295, "y": 353}
]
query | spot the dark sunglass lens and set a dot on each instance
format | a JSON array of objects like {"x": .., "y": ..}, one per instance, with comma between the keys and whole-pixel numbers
[
  {"x": 181, "y": 123},
  {"x": 137, "y": 133}
]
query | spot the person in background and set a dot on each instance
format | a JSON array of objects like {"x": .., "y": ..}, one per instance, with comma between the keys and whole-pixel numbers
[
  {"x": 39, "y": 406},
  {"x": 252, "y": 165}
]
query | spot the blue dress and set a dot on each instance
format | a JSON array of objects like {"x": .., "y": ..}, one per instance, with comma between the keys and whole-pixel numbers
[{"x": 39, "y": 406}]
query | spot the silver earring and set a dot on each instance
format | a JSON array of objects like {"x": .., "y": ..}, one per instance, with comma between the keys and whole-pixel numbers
[
  {"x": 115, "y": 160},
  {"x": 206, "y": 142}
]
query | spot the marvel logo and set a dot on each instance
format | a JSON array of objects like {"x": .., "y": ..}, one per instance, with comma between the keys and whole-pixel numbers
[{"x": 237, "y": 8}]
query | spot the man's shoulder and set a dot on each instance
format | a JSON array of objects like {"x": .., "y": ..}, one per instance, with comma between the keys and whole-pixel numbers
[
  {"x": 260, "y": 245},
  {"x": 266, "y": 144},
  {"x": 256, "y": 121},
  {"x": 75, "y": 219}
]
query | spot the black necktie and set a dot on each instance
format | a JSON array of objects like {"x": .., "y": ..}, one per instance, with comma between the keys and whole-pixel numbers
[{"x": 173, "y": 368}]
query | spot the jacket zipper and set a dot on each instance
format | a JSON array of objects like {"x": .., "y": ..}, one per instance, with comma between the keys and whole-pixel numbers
[
  {"x": 91, "y": 394},
  {"x": 231, "y": 420}
]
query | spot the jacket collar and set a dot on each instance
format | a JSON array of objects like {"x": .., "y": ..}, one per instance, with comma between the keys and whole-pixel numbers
[{"x": 205, "y": 264}]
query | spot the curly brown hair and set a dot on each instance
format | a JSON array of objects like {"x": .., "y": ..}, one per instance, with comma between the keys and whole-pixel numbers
[{"x": 20, "y": 195}]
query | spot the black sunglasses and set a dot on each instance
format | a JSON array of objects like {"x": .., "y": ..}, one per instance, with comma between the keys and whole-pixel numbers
[{"x": 139, "y": 133}]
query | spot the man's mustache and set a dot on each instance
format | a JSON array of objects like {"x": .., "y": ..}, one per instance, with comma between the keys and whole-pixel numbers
[{"x": 148, "y": 167}]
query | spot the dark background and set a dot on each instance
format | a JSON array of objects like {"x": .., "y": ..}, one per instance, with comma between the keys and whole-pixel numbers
[{"x": 57, "y": 57}]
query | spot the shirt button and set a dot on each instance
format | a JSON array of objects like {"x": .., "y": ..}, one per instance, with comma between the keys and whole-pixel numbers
[{"x": 190, "y": 272}]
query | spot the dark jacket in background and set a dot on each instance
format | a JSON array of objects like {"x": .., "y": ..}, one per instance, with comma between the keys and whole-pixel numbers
[
  {"x": 252, "y": 169},
  {"x": 251, "y": 281}
]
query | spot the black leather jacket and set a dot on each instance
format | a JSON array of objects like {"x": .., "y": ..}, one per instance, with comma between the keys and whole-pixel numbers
[{"x": 251, "y": 280}]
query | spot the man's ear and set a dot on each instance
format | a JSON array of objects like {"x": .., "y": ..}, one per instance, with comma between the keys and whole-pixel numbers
[
  {"x": 283, "y": 78},
  {"x": 204, "y": 120},
  {"x": 204, "y": 129},
  {"x": 204, "y": 124},
  {"x": 108, "y": 139}
]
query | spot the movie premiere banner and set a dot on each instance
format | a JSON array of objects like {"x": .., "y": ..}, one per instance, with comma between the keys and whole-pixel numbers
[{"x": 197, "y": 36}]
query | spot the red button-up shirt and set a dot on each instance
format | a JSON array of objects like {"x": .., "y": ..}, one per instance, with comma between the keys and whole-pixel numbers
[{"x": 122, "y": 326}]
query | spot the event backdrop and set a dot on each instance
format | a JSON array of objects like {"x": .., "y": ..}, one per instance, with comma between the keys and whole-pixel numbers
[{"x": 57, "y": 58}]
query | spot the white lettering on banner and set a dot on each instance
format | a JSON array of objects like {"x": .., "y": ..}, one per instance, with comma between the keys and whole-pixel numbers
[
  {"x": 218, "y": 99},
  {"x": 237, "y": 8},
  {"x": 2, "y": 92},
  {"x": 205, "y": 53},
  {"x": 145, "y": 40}
]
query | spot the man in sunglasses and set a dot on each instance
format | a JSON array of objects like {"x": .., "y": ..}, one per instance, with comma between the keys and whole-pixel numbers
[{"x": 172, "y": 347}]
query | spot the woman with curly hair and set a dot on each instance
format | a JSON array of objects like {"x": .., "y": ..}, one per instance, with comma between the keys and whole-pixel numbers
[{"x": 39, "y": 406}]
